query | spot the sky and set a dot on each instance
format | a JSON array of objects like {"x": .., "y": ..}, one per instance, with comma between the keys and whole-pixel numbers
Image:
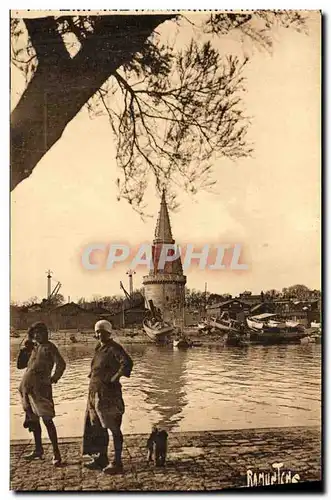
[{"x": 269, "y": 203}]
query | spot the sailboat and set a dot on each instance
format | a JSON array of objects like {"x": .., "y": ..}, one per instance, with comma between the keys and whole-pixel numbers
[{"x": 155, "y": 328}]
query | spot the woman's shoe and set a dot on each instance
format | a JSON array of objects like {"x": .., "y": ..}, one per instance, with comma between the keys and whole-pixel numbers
[
  {"x": 97, "y": 464},
  {"x": 57, "y": 461},
  {"x": 35, "y": 455},
  {"x": 114, "y": 468}
]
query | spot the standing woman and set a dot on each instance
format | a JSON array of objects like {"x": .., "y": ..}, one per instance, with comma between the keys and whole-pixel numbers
[
  {"x": 105, "y": 405},
  {"x": 39, "y": 356}
]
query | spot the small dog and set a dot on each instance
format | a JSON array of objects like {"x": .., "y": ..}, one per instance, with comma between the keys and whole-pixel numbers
[{"x": 157, "y": 442}]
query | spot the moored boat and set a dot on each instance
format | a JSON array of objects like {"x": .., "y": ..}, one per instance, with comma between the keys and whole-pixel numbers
[
  {"x": 254, "y": 325},
  {"x": 237, "y": 339},
  {"x": 265, "y": 320},
  {"x": 225, "y": 325},
  {"x": 313, "y": 336},
  {"x": 233, "y": 332},
  {"x": 276, "y": 337},
  {"x": 269, "y": 329},
  {"x": 181, "y": 343},
  {"x": 310, "y": 339},
  {"x": 196, "y": 343},
  {"x": 292, "y": 324},
  {"x": 157, "y": 330},
  {"x": 204, "y": 326}
]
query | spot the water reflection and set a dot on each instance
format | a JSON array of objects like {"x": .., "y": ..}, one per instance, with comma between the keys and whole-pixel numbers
[
  {"x": 164, "y": 387},
  {"x": 198, "y": 389}
]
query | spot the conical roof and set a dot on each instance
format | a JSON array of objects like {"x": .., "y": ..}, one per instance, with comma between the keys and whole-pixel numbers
[{"x": 163, "y": 229}]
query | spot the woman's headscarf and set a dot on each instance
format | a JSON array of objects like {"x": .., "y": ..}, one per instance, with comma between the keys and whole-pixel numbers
[
  {"x": 103, "y": 324},
  {"x": 38, "y": 327}
]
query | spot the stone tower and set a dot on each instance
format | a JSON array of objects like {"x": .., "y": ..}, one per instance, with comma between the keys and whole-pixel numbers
[{"x": 166, "y": 287}]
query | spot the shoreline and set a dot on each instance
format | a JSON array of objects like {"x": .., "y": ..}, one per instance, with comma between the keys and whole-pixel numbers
[
  {"x": 285, "y": 428},
  {"x": 126, "y": 336},
  {"x": 197, "y": 461},
  {"x": 138, "y": 336}
]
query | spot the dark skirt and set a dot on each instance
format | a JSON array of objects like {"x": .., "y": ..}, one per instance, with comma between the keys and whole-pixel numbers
[{"x": 95, "y": 437}]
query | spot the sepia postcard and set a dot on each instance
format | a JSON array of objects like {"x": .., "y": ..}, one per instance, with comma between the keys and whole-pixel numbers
[{"x": 166, "y": 305}]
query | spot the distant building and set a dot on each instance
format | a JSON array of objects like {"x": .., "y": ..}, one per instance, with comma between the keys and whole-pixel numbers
[
  {"x": 235, "y": 308},
  {"x": 250, "y": 298},
  {"x": 304, "y": 311},
  {"x": 166, "y": 287},
  {"x": 70, "y": 316},
  {"x": 128, "y": 318}
]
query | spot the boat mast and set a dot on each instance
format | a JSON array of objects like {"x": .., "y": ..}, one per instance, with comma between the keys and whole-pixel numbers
[
  {"x": 205, "y": 298},
  {"x": 130, "y": 273},
  {"x": 49, "y": 283}
]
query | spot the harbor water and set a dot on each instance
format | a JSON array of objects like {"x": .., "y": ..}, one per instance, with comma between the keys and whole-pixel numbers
[{"x": 203, "y": 388}]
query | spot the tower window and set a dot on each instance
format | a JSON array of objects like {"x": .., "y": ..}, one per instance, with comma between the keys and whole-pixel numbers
[{"x": 167, "y": 298}]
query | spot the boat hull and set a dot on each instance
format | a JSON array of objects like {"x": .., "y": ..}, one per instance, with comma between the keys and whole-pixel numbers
[
  {"x": 204, "y": 327},
  {"x": 181, "y": 344},
  {"x": 157, "y": 335},
  {"x": 221, "y": 326},
  {"x": 234, "y": 340},
  {"x": 276, "y": 337},
  {"x": 254, "y": 325}
]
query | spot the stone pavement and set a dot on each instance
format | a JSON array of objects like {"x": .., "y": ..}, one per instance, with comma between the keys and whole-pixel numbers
[{"x": 196, "y": 461}]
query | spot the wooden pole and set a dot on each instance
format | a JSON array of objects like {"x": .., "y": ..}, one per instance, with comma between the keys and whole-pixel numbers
[
  {"x": 49, "y": 283},
  {"x": 205, "y": 298}
]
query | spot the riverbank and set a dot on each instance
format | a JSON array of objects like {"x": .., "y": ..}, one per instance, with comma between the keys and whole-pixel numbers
[
  {"x": 123, "y": 335},
  {"x": 197, "y": 461}
]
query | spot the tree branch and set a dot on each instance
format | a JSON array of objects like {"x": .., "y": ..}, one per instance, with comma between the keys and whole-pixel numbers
[
  {"x": 55, "y": 96},
  {"x": 47, "y": 42}
]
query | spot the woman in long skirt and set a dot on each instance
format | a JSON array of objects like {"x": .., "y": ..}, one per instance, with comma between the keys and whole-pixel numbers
[
  {"x": 105, "y": 405},
  {"x": 39, "y": 356}
]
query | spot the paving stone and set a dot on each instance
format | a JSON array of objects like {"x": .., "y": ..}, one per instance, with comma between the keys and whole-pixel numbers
[{"x": 205, "y": 461}]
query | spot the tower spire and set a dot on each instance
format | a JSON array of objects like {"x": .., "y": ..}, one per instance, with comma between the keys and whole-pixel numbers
[
  {"x": 163, "y": 232},
  {"x": 166, "y": 286}
]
